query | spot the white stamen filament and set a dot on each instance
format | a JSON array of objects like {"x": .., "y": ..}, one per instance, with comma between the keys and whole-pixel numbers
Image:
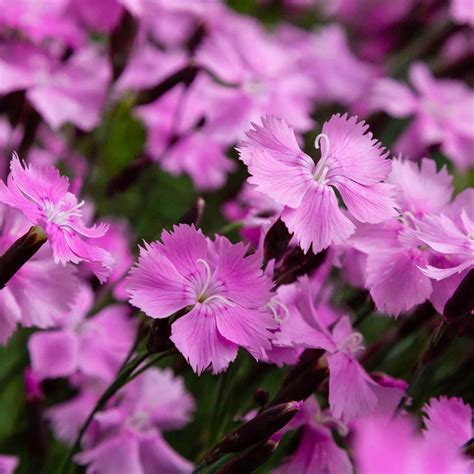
[
  {"x": 220, "y": 298},
  {"x": 321, "y": 170},
  {"x": 208, "y": 277},
  {"x": 273, "y": 307},
  {"x": 353, "y": 342},
  {"x": 58, "y": 215}
]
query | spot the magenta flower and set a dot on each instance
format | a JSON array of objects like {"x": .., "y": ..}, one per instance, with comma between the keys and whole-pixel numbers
[
  {"x": 311, "y": 323},
  {"x": 8, "y": 464},
  {"x": 442, "y": 112},
  {"x": 41, "y": 194},
  {"x": 399, "y": 251},
  {"x": 394, "y": 446},
  {"x": 127, "y": 436},
  {"x": 317, "y": 451},
  {"x": 351, "y": 162},
  {"x": 40, "y": 291},
  {"x": 226, "y": 290},
  {"x": 94, "y": 347},
  {"x": 450, "y": 418}
]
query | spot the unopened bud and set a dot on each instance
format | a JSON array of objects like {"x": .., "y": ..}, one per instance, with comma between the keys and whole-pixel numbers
[
  {"x": 33, "y": 390},
  {"x": 159, "y": 336},
  {"x": 276, "y": 241},
  {"x": 304, "y": 378},
  {"x": 261, "y": 397},
  {"x": 461, "y": 304},
  {"x": 194, "y": 214},
  {"x": 261, "y": 427},
  {"x": 250, "y": 459},
  {"x": 20, "y": 252},
  {"x": 298, "y": 263}
]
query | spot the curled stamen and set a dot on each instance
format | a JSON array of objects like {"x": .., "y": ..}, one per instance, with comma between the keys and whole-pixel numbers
[
  {"x": 409, "y": 219},
  {"x": 320, "y": 168},
  {"x": 273, "y": 305},
  {"x": 220, "y": 298},
  {"x": 208, "y": 277},
  {"x": 352, "y": 342},
  {"x": 58, "y": 215}
]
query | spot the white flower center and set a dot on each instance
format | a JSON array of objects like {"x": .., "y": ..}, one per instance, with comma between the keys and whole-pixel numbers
[{"x": 54, "y": 213}]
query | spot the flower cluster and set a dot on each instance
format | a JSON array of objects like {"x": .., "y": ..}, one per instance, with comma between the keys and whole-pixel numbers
[{"x": 229, "y": 229}]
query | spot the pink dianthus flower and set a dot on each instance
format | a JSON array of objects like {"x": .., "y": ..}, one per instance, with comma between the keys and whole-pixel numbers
[{"x": 225, "y": 289}]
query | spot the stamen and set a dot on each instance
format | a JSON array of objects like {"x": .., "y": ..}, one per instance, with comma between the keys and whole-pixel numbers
[
  {"x": 321, "y": 170},
  {"x": 352, "y": 342},
  {"x": 273, "y": 305},
  {"x": 219, "y": 298},
  {"x": 208, "y": 277}
]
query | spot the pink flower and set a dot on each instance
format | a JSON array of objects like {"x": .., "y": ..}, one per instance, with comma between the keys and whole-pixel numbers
[
  {"x": 73, "y": 91},
  {"x": 40, "y": 291},
  {"x": 462, "y": 11},
  {"x": 317, "y": 451},
  {"x": 94, "y": 347},
  {"x": 42, "y": 21},
  {"x": 41, "y": 194},
  {"x": 345, "y": 78},
  {"x": 226, "y": 290},
  {"x": 259, "y": 76},
  {"x": 176, "y": 145},
  {"x": 450, "y": 418},
  {"x": 451, "y": 236},
  {"x": 311, "y": 323},
  {"x": 442, "y": 109},
  {"x": 393, "y": 445},
  {"x": 126, "y": 437},
  {"x": 397, "y": 250},
  {"x": 351, "y": 162},
  {"x": 8, "y": 464}
]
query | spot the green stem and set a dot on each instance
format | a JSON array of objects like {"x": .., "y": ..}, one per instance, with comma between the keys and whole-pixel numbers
[
  {"x": 121, "y": 380},
  {"x": 151, "y": 363}
]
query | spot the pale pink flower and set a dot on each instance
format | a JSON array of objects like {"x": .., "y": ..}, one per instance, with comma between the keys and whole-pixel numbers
[
  {"x": 226, "y": 290},
  {"x": 317, "y": 451},
  {"x": 442, "y": 111},
  {"x": 8, "y": 464},
  {"x": 462, "y": 11},
  {"x": 396, "y": 249},
  {"x": 311, "y": 323},
  {"x": 393, "y": 446},
  {"x": 41, "y": 194},
  {"x": 259, "y": 79},
  {"x": 450, "y": 418},
  {"x": 73, "y": 91},
  {"x": 126, "y": 437},
  {"x": 42, "y": 20},
  {"x": 93, "y": 346},
  {"x": 40, "y": 290},
  {"x": 352, "y": 162},
  {"x": 176, "y": 145}
]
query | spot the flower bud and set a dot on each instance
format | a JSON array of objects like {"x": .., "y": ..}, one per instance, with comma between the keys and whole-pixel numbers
[
  {"x": 303, "y": 379},
  {"x": 276, "y": 241},
  {"x": 297, "y": 263},
  {"x": 20, "y": 252},
  {"x": 250, "y": 459},
  {"x": 265, "y": 424},
  {"x": 194, "y": 214},
  {"x": 159, "y": 336}
]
